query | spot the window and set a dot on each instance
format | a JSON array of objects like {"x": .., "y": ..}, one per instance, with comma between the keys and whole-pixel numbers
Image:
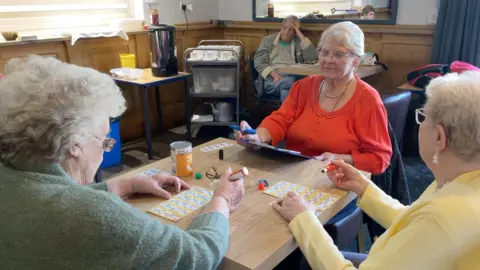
[{"x": 33, "y": 16}]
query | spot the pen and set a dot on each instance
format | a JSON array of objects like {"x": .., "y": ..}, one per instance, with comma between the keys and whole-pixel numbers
[
  {"x": 237, "y": 175},
  {"x": 245, "y": 131}
]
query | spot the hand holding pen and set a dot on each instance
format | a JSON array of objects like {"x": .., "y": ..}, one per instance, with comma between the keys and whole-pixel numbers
[{"x": 245, "y": 133}]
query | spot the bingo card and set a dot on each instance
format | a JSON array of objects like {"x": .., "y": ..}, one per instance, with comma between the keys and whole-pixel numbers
[
  {"x": 321, "y": 200},
  {"x": 152, "y": 172},
  {"x": 182, "y": 204}
]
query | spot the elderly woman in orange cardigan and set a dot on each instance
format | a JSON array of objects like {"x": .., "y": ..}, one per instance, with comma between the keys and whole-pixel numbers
[{"x": 334, "y": 115}]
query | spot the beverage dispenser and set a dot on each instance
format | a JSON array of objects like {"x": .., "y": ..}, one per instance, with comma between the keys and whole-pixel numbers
[{"x": 162, "y": 48}]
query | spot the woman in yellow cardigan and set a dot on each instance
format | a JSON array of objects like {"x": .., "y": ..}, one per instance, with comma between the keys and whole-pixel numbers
[{"x": 441, "y": 230}]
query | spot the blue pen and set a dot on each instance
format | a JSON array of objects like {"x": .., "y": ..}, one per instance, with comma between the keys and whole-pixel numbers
[{"x": 246, "y": 131}]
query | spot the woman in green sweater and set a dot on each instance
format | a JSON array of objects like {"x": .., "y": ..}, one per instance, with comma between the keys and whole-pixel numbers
[{"x": 54, "y": 126}]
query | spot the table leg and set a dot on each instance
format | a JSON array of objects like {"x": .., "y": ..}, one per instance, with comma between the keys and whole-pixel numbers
[
  {"x": 187, "y": 111},
  {"x": 159, "y": 108},
  {"x": 146, "y": 118}
]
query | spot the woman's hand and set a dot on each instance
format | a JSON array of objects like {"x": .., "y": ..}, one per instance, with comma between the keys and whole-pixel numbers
[
  {"x": 326, "y": 157},
  {"x": 231, "y": 191},
  {"x": 241, "y": 138},
  {"x": 147, "y": 185},
  {"x": 345, "y": 176},
  {"x": 292, "y": 205}
]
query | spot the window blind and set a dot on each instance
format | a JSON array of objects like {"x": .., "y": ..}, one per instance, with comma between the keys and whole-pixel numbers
[{"x": 34, "y": 15}]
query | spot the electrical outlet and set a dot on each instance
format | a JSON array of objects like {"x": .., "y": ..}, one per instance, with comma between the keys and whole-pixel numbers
[{"x": 188, "y": 4}]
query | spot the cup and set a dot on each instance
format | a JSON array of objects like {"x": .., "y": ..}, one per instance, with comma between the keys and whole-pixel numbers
[
  {"x": 209, "y": 56},
  {"x": 226, "y": 56},
  {"x": 196, "y": 55},
  {"x": 128, "y": 60}
]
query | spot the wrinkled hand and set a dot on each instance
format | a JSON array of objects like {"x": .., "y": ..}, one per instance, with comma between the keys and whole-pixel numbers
[
  {"x": 298, "y": 32},
  {"x": 232, "y": 192},
  {"x": 326, "y": 157},
  {"x": 241, "y": 138},
  {"x": 348, "y": 178},
  {"x": 155, "y": 185},
  {"x": 276, "y": 77},
  {"x": 292, "y": 205}
]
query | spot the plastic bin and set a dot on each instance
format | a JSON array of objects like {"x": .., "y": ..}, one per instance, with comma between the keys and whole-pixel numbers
[
  {"x": 113, "y": 157},
  {"x": 214, "y": 79}
]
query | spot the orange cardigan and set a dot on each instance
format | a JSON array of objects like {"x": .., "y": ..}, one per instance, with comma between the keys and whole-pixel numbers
[{"x": 359, "y": 129}]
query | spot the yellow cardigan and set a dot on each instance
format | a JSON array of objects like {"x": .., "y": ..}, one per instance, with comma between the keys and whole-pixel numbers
[{"x": 441, "y": 230}]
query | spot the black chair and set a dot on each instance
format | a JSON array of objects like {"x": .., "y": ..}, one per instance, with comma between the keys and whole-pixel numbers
[
  {"x": 343, "y": 232},
  {"x": 396, "y": 105}
]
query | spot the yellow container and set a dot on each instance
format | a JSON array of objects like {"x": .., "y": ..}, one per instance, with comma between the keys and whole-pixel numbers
[
  {"x": 181, "y": 155},
  {"x": 128, "y": 60}
]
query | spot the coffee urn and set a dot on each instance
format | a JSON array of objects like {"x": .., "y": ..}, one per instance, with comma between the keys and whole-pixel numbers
[{"x": 162, "y": 48}]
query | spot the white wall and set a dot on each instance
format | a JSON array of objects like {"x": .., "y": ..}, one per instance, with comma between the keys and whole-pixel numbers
[
  {"x": 409, "y": 11},
  {"x": 235, "y": 10},
  {"x": 169, "y": 11},
  {"x": 417, "y": 12}
]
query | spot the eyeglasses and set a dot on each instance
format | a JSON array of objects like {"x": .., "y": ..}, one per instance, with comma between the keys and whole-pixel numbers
[
  {"x": 419, "y": 115},
  {"x": 212, "y": 174},
  {"x": 335, "y": 55},
  {"x": 107, "y": 143}
]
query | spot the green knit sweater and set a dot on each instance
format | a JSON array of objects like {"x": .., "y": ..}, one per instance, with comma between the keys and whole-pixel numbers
[{"x": 47, "y": 221}]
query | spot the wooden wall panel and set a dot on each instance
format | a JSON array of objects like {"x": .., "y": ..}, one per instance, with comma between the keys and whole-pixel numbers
[
  {"x": 54, "y": 49},
  {"x": 101, "y": 54}
]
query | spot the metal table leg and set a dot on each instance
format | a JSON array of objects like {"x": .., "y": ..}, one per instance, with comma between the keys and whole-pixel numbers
[
  {"x": 146, "y": 118},
  {"x": 159, "y": 108},
  {"x": 188, "y": 119}
]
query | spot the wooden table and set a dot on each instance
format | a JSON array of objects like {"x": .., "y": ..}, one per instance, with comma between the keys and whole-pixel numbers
[
  {"x": 146, "y": 81},
  {"x": 259, "y": 237},
  {"x": 306, "y": 70}
]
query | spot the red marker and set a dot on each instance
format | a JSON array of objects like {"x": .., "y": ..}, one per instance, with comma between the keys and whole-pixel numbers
[{"x": 329, "y": 168}]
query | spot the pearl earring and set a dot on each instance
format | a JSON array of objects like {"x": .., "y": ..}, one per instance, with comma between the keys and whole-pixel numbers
[{"x": 435, "y": 156}]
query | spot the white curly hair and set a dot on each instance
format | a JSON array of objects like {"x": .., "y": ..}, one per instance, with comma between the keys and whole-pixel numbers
[
  {"x": 452, "y": 101},
  {"x": 47, "y": 106}
]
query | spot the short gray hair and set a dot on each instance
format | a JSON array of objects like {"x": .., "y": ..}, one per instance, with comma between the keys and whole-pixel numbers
[
  {"x": 452, "y": 101},
  {"x": 47, "y": 106},
  {"x": 347, "y": 35},
  {"x": 291, "y": 18}
]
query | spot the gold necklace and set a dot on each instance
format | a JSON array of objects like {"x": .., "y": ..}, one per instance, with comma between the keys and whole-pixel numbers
[{"x": 340, "y": 95}]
